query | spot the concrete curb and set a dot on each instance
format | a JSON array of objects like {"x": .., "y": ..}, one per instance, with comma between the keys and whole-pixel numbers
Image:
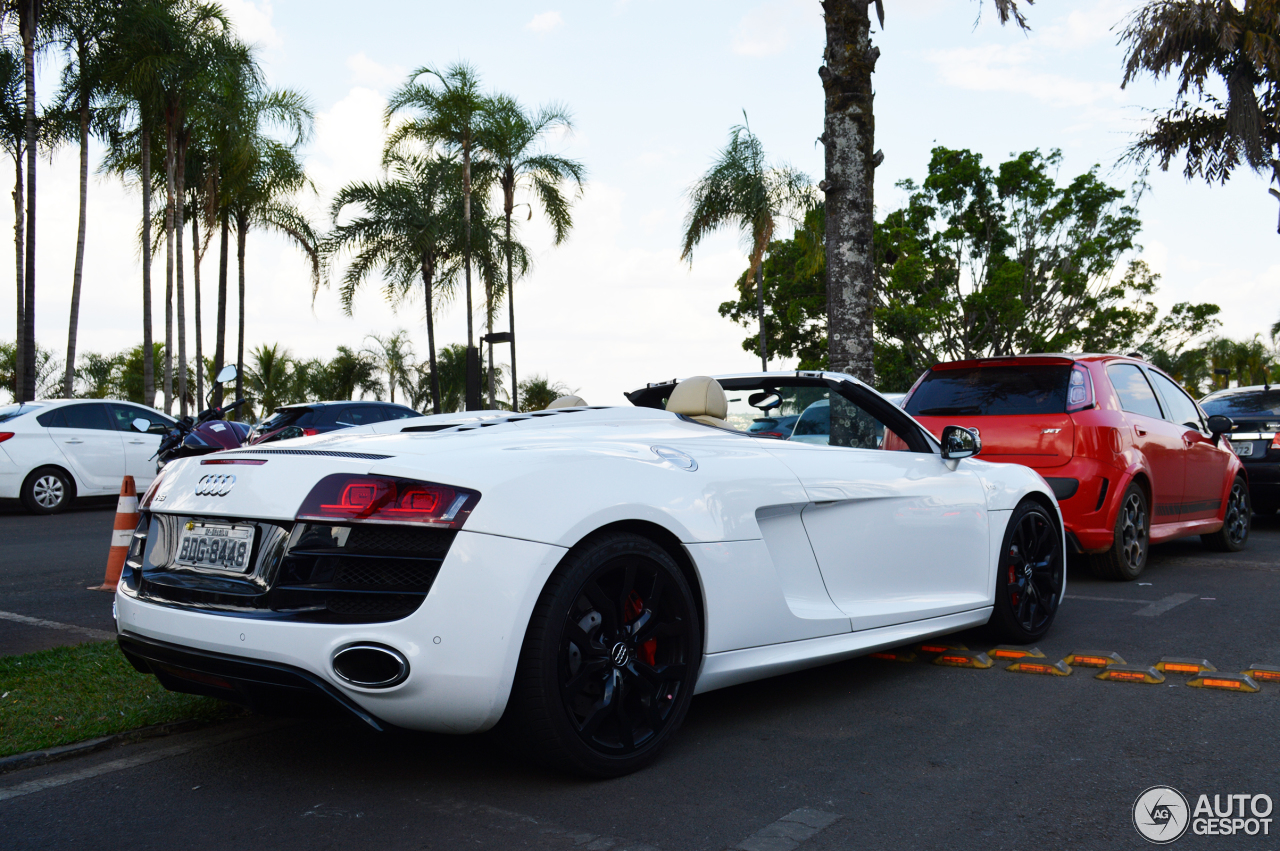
[{"x": 33, "y": 758}]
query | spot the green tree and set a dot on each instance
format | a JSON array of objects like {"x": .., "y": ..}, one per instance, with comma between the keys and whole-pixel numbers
[
  {"x": 1212, "y": 47},
  {"x": 848, "y": 138},
  {"x": 393, "y": 354},
  {"x": 271, "y": 378},
  {"x": 13, "y": 135},
  {"x": 514, "y": 139},
  {"x": 742, "y": 190},
  {"x": 98, "y": 375},
  {"x": 450, "y": 115},
  {"x": 538, "y": 392}
]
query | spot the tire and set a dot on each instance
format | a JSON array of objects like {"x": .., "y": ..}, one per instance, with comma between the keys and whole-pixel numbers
[
  {"x": 1234, "y": 534},
  {"x": 48, "y": 490},
  {"x": 609, "y": 660},
  {"x": 1032, "y": 575},
  {"x": 1127, "y": 557}
]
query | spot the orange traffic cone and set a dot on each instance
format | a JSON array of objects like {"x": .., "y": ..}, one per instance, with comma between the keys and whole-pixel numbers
[{"x": 121, "y": 536}]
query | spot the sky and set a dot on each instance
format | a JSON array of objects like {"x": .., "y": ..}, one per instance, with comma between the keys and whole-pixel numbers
[{"x": 654, "y": 88}]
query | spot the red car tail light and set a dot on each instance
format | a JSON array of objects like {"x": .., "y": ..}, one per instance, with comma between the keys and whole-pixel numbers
[
  {"x": 351, "y": 498},
  {"x": 1079, "y": 390},
  {"x": 310, "y": 432},
  {"x": 5, "y": 435},
  {"x": 1275, "y": 442}
]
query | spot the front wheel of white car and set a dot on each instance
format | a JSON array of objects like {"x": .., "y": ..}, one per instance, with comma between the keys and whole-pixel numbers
[
  {"x": 1029, "y": 584},
  {"x": 610, "y": 658}
]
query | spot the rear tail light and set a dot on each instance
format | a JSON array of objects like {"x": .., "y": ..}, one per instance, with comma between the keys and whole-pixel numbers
[
  {"x": 310, "y": 432},
  {"x": 349, "y": 498},
  {"x": 1275, "y": 441},
  {"x": 5, "y": 435},
  {"x": 1079, "y": 390}
]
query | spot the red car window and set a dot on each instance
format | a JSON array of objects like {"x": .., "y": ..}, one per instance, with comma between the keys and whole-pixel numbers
[
  {"x": 1181, "y": 409},
  {"x": 1136, "y": 395}
]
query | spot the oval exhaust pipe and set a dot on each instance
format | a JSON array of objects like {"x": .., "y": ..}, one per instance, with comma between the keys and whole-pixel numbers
[{"x": 370, "y": 665}]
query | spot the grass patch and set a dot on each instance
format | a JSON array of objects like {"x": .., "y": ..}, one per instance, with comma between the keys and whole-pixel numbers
[{"x": 70, "y": 694}]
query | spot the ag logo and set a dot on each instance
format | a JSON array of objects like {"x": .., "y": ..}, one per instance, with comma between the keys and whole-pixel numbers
[
  {"x": 215, "y": 485},
  {"x": 1161, "y": 814}
]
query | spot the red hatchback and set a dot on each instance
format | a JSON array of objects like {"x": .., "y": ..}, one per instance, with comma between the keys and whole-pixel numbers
[{"x": 1131, "y": 457}]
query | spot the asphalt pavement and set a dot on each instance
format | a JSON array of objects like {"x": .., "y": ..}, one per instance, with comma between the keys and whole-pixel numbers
[{"x": 863, "y": 754}]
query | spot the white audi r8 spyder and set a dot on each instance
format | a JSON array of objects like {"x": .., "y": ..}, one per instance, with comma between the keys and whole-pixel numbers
[{"x": 580, "y": 573}]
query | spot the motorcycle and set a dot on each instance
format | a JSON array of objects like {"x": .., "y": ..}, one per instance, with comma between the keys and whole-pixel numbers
[{"x": 207, "y": 432}]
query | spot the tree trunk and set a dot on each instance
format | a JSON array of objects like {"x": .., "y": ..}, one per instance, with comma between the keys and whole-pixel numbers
[
  {"x": 848, "y": 137},
  {"x": 488, "y": 318},
  {"x": 242, "y": 232},
  {"x": 472, "y": 392},
  {"x": 180, "y": 188},
  {"x": 148, "y": 350},
  {"x": 764, "y": 347},
  {"x": 69, "y": 377},
  {"x": 169, "y": 139},
  {"x": 29, "y": 21},
  {"x": 196, "y": 256},
  {"x": 220, "y": 347},
  {"x": 511, "y": 307},
  {"x": 431, "y": 338},
  {"x": 19, "y": 208}
]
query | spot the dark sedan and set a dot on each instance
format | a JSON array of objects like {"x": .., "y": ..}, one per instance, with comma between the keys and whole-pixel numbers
[
  {"x": 1256, "y": 414},
  {"x": 319, "y": 417}
]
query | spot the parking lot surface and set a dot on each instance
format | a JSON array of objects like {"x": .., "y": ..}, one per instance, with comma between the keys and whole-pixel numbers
[{"x": 863, "y": 754}]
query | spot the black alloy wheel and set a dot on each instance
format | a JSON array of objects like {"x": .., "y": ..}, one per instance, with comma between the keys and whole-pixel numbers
[
  {"x": 1032, "y": 569},
  {"x": 1127, "y": 556},
  {"x": 610, "y": 658},
  {"x": 1236, "y": 521}
]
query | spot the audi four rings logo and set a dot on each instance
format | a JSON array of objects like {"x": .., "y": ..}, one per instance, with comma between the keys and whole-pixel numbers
[{"x": 215, "y": 485}]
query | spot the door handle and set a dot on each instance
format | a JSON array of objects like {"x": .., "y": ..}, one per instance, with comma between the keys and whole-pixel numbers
[
  {"x": 1142, "y": 432},
  {"x": 73, "y": 441},
  {"x": 137, "y": 443}
]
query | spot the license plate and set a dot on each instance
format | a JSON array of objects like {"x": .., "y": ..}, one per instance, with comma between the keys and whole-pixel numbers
[
  {"x": 215, "y": 546},
  {"x": 1244, "y": 447}
]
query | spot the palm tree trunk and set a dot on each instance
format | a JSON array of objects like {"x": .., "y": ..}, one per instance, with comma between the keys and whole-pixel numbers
[
  {"x": 471, "y": 393},
  {"x": 220, "y": 347},
  {"x": 69, "y": 377},
  {"x": 431, "y": 338},
  {"x": 488, "y": 298},
  {"x": 148, "y": 350},
  {"x": 849, "y": 136},
  {"x": 511, "y": 311},
  {"x": 19, "y": 207},
  {"x": 242, "y": 232},
  {"x": 169, "y": 138},
  {"x": 196, "y": 255},
  {"x": 180, "y": 187},
  {"x": 28, "y": 19},
  {"x": 764, "y": 347}
]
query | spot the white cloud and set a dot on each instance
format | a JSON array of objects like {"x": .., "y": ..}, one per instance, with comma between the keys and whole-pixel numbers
[
  {"x": 253, "y": 22},
  {"x": 770, "y": 28},
  {"x": 1001, "y": 68},
  {"x": 545, "y": 22},
  {"x": 367, "y": 72}
]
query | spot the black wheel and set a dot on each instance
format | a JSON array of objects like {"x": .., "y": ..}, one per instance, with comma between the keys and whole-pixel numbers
[
  {"x": 1128, "y": 554},
  {"x": 1234, "y": 533},
  {"x": 1030, "y": 584},
  {"x": 610, "y": 658},
  {"x": 48, "y": 490}
]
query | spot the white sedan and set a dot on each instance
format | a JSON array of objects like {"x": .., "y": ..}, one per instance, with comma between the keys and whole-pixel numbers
[
  {"x": 581, "y": 572},
  {"x": 54, "y": 450}
]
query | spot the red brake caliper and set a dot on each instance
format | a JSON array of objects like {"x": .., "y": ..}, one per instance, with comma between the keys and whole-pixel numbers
[
  {"x": 632, "y": 609},
  {"x": 1013, "y": 575}
]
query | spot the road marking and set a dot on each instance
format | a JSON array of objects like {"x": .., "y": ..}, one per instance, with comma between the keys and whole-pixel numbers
[
  {"x": 1106, "y": 599},
  {"x": 589, "y": 841},
  {"x": 197, "y": 742},
  {"x": 99, "y": 634},
  {"x": 1159, "y": 608},
  {"x": 789, "y": 831}
]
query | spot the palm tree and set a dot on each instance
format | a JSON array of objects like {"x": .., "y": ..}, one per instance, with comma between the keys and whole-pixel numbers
[
  {"x": 13, "y": 135},
  {"x": 393, "y": 353},
  {"x": 81, "y": 26},
  {"x": 539, "y": 391},
  {"x": 741, "y": 189},
  {"x": 514, "y": 140},
  {"x": 271, "y": 377},
  {"x": 851, "y": 158},
  {"x": 450, "y": 116},
  {"x": 410, "y": 229},
  {"x": 1211, "y": 46}
]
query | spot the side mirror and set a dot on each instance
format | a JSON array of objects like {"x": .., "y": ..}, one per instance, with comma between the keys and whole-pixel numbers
[
  {"x": 1219, "y": 424},
  {"x": 959, "y": 442},
  {"x": 226, "y": 374},
  {"x": 141, "y": 424}
]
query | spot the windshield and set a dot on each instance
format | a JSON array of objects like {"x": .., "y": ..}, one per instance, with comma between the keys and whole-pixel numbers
[
  {"x": 8, "y": 412},
  {"x": 286, "y": 417},
  {"x": 992, "y": 391},
  {"x": 1258, "y": 404}
]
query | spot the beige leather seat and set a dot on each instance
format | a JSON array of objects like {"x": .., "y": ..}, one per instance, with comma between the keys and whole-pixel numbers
[
  {"x": 700, "y": 398},
  {"x": 569, "y": 401}
]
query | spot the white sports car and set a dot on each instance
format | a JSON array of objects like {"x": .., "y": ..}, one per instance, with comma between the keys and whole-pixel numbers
[{"x": 581, "y": 572}]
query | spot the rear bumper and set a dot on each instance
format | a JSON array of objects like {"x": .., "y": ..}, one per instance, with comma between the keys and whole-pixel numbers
[{"x": 1085, "y": 490}]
